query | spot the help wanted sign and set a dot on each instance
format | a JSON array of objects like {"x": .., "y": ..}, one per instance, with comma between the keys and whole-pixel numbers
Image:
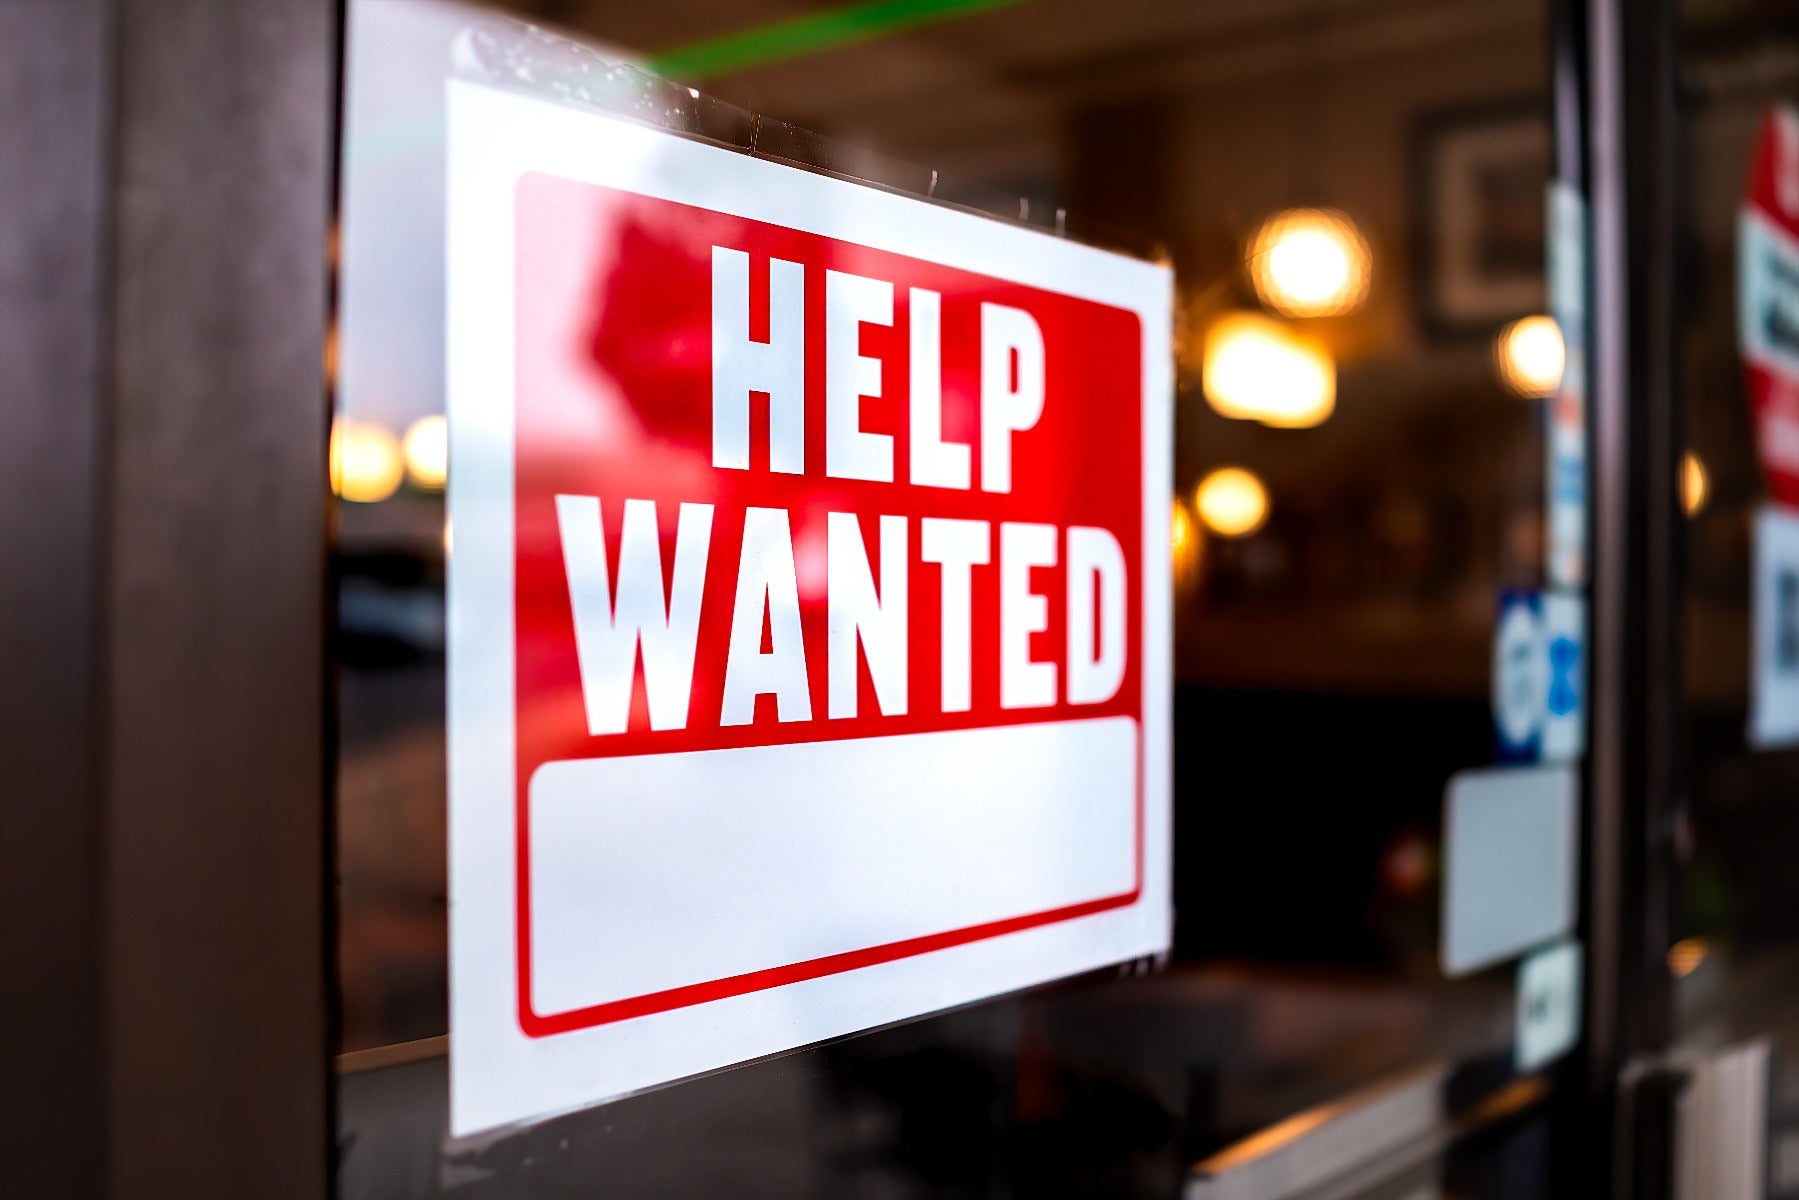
[{"x": 809, "y": 607}]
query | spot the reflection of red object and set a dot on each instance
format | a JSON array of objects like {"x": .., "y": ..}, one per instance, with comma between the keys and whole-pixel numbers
[
  {"x": 1768, "y": 292},
  {"x": 646, "y": 331},
  {"x": 1408, "y": 865},
  {"x": 613, "y": 400}
]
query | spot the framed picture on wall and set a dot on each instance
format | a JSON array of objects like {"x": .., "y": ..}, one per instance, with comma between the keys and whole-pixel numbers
[{"x": 1479, "y": 183}]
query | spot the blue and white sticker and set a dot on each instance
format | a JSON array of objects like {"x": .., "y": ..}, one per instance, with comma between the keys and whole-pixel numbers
[
  {"x": 1565, "y": 427},
  {"x": 1539, "y": 677},
  {"x": 1564, "y": 659},
  {"x": 1518, "y": 683}
]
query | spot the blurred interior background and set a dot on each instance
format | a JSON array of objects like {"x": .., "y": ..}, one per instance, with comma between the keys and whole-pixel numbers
[{"x": 1351, "y": 193}]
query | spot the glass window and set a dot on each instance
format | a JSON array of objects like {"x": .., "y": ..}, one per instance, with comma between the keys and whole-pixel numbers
[
  {"x": 1353, "y": 201},
  {"x": 1734, "y": 942}
]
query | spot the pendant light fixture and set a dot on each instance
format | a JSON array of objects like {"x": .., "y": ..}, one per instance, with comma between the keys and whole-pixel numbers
[
  {"x": 1310, "y": 262},
  {"x": 1257, "y": 368}
]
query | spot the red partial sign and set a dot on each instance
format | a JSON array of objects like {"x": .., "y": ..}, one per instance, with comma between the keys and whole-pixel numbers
[{"x": 1768, "y": 299}]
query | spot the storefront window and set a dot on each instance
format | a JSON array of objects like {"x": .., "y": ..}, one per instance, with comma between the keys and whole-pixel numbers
[
  {"x": 1356, "y": 207},
  {"x": 1735, "y": 910}
]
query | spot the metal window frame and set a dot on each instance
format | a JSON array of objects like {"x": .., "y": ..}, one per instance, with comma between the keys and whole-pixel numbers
[{"x": 1614, "y": 72}]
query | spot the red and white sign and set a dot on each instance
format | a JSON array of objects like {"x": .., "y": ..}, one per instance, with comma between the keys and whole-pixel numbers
[
  {"x": 809, "y": 607},
  {"x": 1768, "y": 299}
]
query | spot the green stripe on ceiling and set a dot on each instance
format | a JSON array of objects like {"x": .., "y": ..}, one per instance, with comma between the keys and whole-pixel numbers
[{"x": 813, "y": 33}]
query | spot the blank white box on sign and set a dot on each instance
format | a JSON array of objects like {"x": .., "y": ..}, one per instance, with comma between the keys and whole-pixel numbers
[
  {"x": 662, "y": 871},
  {"x": 1511, "y": 839}
]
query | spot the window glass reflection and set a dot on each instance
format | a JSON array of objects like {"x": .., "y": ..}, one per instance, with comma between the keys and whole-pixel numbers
[{"x": 1354, "y": 204}]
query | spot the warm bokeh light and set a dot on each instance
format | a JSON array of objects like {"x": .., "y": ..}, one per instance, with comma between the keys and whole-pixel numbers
[
  {"x": 1258, "y": 369},
  {"x": 1185, "y": 543},
  {"x": 1695, "y": 484},
  {"x": 1530, "y": 355},
  {"x": 366, "y": 464},
  {"x": 1409, "y": 864},
  {"x": 1686, "y": 955},
  {"x": 427, "y": 447},
  {"x": 1232, "y": 502},
  {"x": 1310, "y": 262}
]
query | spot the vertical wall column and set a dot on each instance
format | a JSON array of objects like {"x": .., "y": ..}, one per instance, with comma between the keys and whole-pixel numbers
[
  {"x": 164, "y": 291},
  {"x": 55, "y": 103},
  {"x": 215, "y": 600}
]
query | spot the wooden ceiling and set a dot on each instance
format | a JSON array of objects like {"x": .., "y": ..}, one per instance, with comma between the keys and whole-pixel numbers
[{"x": 998, "y": 66}]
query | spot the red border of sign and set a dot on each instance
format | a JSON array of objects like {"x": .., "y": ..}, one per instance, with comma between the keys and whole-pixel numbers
[{"x": 537, "y": 1025}]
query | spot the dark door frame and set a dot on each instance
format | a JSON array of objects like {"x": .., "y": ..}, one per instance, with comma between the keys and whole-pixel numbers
[
  {"x": 164, "y": 291},
  {"x": 1614, "y": 87}
]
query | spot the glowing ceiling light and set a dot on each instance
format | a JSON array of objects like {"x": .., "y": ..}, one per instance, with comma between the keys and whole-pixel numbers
[
  {"x": 1232, "y": 502},
  {"x": 427, "y": 447},
  {"x": 1258, "y": 369},
  {"x": 1185, "y": 544},
  {"x": 1182, "y": 533},
  {"x": 1530, "y": 355},
  {"x": 1686, "y": 956},
  {"x": 365, "y": 461},
  {"x": 1310, "y": 262},
  {"x": 1695, "y": 484}
]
